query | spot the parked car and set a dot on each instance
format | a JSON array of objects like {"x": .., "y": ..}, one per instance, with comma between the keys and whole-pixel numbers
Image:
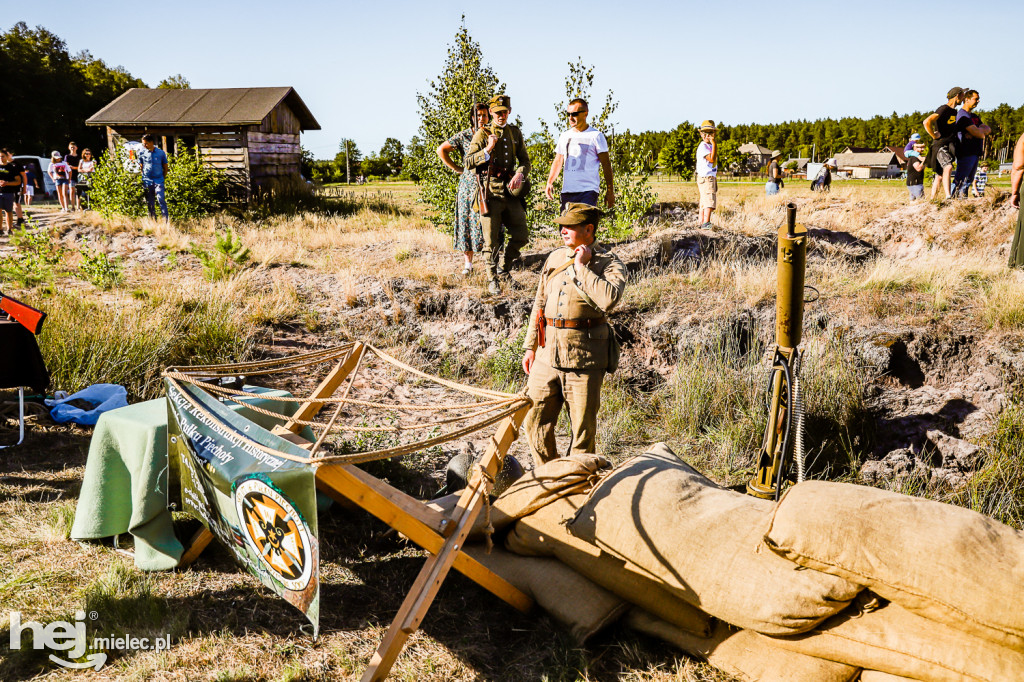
[{"x": 39, "y": 165}]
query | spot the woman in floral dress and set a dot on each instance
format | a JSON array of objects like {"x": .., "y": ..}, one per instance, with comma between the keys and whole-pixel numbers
[{"x": 469, "y": 235}]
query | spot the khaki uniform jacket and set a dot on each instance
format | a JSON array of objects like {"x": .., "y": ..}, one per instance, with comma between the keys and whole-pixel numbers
[
  {"x": 594, "y": 292},
  {"x": 509, "y": 155}
]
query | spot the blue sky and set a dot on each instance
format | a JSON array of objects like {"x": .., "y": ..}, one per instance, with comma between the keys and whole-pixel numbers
[{"x": 358, "y": 65}]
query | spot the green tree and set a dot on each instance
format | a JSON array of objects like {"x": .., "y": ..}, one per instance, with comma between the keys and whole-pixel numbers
[
  {"x": 444, "y": 111},
  {"x": 629, "y": 157},
  {"x": 392, "y": 155},
  {"x": 175, "y": 82},
  {"x": 348, "y": 159},
  {"x": 49, "y": 94},
  {"x": 679, "y": 155}
]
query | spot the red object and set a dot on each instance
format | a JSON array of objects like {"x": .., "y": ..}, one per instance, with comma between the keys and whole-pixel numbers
[{"x": 30, "y": 318}]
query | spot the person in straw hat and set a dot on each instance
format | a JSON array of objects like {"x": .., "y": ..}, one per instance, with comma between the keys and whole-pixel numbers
[
  {"x": 774, "y": 175},
  {"x": 569, "y": 346},
  {"x": 707, "y": 171}
]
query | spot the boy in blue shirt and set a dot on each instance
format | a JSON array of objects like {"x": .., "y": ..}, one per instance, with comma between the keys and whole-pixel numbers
[{"x": 154, "y": 170}]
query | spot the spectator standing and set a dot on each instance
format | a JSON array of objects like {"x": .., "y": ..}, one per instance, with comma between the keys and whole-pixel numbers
[
  {"x": 971, "y": 134},
  {"x": 707, "y": 171},
  {"x": 154, "y": 171},
  {"x": 60, "y": 173},
  {"x": 86, "y": 167},
  {"x": 31, "y": 182},
  {"x": 72, "y": 159},
  {"x": 500, "y": 150},
  {"x": 469, "y": 234},
  {"x": 10, "y": 187},
  {"x": 1016, "y": 175},
  {"x": 915, "y": 171},
  {"x": 581, "y": 149},
  {"x": 774, "y": 175},
  {"x": 980, "y": 180},
  {"x": 941, "y": 125}
]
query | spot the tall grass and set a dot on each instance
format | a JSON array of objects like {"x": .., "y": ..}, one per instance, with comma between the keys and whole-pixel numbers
[
  {"x": 997, "y": 489},
  {"x": 130, "y": 343}
]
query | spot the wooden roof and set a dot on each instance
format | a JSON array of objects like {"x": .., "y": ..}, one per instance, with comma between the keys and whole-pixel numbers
[
  {"x": 754, "y": 148},
  {"x": 872, "y": 159},
  {"x": 200, "y": 107}
]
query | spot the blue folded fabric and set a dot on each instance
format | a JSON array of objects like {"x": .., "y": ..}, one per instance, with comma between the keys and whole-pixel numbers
[{"x": 103, "y": 397}]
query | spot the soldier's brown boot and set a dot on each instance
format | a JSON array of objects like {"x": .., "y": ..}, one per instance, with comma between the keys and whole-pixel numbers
[{"x": 493, "y": 288}]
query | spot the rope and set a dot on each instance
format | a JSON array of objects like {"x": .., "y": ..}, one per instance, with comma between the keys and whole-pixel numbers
[{"x": 362, "y": 457}]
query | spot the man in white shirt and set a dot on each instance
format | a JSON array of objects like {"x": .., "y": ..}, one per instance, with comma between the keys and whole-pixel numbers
[
  {"x": 581, "y": 149},
  {"x": 707, "y": 172}
]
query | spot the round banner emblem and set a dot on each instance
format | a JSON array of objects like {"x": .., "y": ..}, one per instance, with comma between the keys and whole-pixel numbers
[{"x": 275, "y": 531}]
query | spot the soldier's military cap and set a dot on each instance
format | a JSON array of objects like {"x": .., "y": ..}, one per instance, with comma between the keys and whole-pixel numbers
[
  {"x": 499, "y": 103},
  {"x": 580, "y": 214}
]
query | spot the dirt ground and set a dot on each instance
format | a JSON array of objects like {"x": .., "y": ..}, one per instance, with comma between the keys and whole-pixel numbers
[{"x": 915, "y": 296}]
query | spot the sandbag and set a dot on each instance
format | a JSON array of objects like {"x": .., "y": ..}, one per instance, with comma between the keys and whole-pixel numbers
[
  {"x": 543, "y": 533},
  {"x": 894, "y": 640},
  {"x": 743, "y": 653},
  {"x": 575, "y": 602},
  {"x": 704, "y": 543},
  {"x": 536, "y": 488},
  {"x": 947, "y": 563},
  {"x": 879, "y": 676}
]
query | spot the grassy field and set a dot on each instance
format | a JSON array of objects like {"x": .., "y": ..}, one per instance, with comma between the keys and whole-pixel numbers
[{"x": 381, "y": 273}]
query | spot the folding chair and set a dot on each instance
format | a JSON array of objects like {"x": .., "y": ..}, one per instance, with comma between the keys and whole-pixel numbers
[{"x": 22, "y": 364}]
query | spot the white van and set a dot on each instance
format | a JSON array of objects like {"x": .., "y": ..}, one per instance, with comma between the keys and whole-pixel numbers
[{"x": 39, "y": 165}]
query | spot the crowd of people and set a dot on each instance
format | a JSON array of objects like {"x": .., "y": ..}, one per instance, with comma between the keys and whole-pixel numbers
[{"x": 69, "y": 172}]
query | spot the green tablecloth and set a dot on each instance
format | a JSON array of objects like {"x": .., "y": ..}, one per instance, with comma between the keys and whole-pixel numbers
[{"x": 124, "y": 489}]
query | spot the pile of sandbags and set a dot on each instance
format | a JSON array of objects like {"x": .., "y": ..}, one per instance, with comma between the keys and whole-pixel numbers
[{"x": 834, "y": 579}]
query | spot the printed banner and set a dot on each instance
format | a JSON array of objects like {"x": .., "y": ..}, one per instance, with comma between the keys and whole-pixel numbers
[{"x": 261, "y": 506}]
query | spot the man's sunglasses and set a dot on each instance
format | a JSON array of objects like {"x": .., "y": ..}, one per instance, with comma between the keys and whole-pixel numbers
[{"x": 570, "y": 114}]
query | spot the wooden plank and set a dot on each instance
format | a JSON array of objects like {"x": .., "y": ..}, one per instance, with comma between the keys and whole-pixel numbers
[
  {"x": 429, "y": 580},
  {"x": 388, "y": 504},
  {"x": 200, "y": 540},
  {"x": 258, "y": 159},
  {"x": 327, "y": 387},
  {"x": 273, "y": 138},
  {"x": 274, "y": 148},
  {"x": 275, "y": 171}
]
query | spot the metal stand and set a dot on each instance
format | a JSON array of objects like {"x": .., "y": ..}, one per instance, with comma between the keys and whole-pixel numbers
[{"x": 21, "y": 419}]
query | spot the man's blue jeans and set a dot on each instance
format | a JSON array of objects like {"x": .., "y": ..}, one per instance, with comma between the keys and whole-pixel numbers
[
  {"x": 966, "y": 167},
  {"x": 155, "y": 192}
]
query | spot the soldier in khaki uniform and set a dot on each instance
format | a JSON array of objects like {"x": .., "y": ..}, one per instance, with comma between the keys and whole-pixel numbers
[
  {"x": 570, "y": 346},
  {"x": 500, "y": 149}
]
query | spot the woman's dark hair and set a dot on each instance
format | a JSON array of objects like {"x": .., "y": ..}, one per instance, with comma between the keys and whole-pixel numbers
[
  {"x": 479, "y": 106},
  {"x": 86, "y": 150}
]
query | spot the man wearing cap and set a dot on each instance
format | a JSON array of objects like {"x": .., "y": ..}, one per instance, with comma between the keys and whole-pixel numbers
[
  {"x": 774, "y": 175},
  {"x": 941, "y": 125},
  {"x": 581, "y": 149},
  {"x": 569, "y": 345},
  {"x": 707, "y": 171},
  {"x": 499, "y": 152}
]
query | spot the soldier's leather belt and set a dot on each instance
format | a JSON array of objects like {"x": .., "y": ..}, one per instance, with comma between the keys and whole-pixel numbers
[{"x": 579, "y": 323}]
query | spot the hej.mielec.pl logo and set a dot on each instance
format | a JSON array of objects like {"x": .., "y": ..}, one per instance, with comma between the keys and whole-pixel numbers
[{"x": 70, "y": 639}]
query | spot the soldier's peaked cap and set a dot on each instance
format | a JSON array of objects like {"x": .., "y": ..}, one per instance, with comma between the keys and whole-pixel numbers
[
  {"x": 580, "y": 214},
  {"x": 499, "y": 103}
]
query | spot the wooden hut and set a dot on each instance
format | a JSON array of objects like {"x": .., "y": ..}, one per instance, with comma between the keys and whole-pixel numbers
[{"x": 252, "y": 134}]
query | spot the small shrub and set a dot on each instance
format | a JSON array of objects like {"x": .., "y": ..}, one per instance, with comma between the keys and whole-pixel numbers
[
  {"x": 228, "y": 257},
  {"x": 193, "y": 189},
  {"x": 505, "y": 366},
  {"x": 100, "y": 268},
  {"x": 40, "y": 254},
  {"x": 115, "y": 190}
]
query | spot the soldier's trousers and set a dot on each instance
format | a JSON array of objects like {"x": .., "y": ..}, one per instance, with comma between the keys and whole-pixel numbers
[
  {"x": 505, "y": 211},
  {"x": 550, "y": 389}
]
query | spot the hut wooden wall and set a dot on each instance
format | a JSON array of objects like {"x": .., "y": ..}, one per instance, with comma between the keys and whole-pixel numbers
[{"x": 274, "y": 147}]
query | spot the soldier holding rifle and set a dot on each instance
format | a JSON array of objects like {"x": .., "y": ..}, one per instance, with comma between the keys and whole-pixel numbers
[
  {"x": 498, "y": 153},
  {"x": 570, "y": 345}
]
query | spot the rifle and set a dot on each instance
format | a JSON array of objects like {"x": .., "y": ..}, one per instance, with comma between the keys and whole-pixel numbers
[{"x": 30, "y": 318}]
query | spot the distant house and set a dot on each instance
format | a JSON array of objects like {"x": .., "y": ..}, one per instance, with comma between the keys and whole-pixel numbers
[
  {"x": 801, "y": 165},
  {"x": 252, "y": 134},
  {"x": 858, "y": 150},
  {"x": 757, "y": 156},
  {"x": 868, "y": 164},
  {"x": 898, "y": 151}
]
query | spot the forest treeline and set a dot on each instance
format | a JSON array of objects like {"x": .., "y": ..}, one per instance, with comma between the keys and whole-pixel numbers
[{"x": 48, "y": 93}]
